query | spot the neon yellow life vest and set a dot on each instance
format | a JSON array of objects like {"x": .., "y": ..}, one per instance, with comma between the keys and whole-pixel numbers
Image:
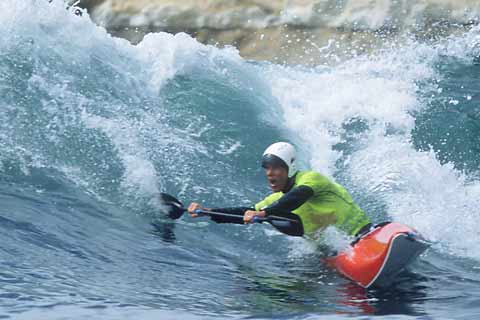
[{"x": 330, "y": 204}]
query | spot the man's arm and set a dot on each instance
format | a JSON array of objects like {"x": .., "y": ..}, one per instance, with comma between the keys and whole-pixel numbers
[
  {"x": 290, "y": 201},
  {"x": 292, "y": 229},
  {"x": 281, "y": 208}
]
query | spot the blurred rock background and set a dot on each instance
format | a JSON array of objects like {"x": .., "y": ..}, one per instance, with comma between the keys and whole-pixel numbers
[{"x": 289, "y": 31}]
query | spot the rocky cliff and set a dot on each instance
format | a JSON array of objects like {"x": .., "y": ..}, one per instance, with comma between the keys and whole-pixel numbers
[{"x": 287, "y": 30}]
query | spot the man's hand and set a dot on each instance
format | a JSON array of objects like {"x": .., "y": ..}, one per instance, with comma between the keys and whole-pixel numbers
[
  {"x": 194, "y": 206},
  {"x": 249, "y": 214}
]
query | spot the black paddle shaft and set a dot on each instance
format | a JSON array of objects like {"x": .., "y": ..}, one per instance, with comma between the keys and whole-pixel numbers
[{"x": 176, "y": 210}]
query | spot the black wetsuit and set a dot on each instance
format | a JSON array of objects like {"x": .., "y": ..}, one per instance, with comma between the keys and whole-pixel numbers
[{"x": 282, "y": 208}]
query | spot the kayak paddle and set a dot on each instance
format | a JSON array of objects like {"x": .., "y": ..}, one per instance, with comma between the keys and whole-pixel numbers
[{"x": 176, "y": 210}]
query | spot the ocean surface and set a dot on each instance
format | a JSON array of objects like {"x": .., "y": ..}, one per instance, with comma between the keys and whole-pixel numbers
[{"x": 92, "y": 128}]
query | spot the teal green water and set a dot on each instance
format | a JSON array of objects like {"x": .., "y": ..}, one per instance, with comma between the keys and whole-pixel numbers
[{"x": 94, "y": 128}]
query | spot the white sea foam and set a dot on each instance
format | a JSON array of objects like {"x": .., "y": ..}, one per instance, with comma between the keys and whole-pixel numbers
[
  {"x": 421, "y": 192},
  {"x": 383, "y": 91},
  {"x": 380, "y": 90}
]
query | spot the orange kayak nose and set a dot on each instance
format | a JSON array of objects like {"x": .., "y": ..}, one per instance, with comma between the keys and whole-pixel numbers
[{"x": 378, "y": 256}]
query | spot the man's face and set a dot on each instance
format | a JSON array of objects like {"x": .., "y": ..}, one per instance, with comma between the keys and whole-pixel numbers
[{"x": 277, "y": 177}]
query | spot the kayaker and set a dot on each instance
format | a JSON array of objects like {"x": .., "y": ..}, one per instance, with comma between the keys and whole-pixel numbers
[{"x": 305, "y": 196}]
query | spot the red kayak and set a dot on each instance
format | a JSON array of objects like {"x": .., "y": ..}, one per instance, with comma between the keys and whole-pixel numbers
[{"x": 378, "y": 256}]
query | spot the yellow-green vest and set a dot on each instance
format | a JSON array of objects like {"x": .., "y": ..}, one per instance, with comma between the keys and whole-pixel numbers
[{"x": 330, "y": 204}]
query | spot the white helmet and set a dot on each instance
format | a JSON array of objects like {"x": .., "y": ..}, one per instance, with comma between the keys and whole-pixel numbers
[{"x": 280, "y": 154}]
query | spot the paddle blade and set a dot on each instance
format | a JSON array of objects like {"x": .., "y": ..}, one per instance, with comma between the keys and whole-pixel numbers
[{"x": 174, "y": 207}]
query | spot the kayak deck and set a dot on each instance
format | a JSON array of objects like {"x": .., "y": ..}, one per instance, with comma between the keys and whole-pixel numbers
[{"x": 378, "y": 256}]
